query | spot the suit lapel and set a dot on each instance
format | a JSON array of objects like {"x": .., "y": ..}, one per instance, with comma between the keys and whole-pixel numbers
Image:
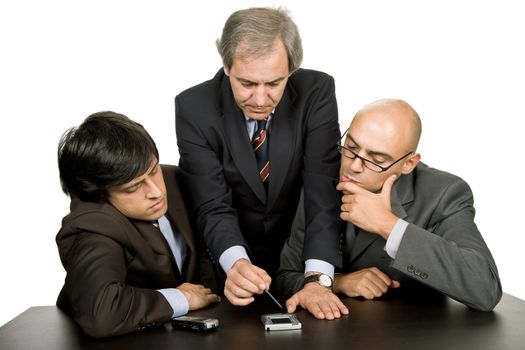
[
  {"x": 238, "y": 141},
  {"x": 178, "y": 219},
  {"x": 154, "y": 237},
  {"x": 282, "y": 139}
]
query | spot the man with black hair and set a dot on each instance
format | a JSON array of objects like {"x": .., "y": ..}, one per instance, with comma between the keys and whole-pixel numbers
[{"x": 131, "y": 260}]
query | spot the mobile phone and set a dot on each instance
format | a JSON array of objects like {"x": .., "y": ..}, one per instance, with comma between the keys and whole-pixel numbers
[
  {"x": 280, "y": 322},
  {"x": 195, "y": 323}
]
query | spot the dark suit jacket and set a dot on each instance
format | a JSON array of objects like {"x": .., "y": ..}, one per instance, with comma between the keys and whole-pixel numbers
[
  {"x": 441, "y": 249},
  {"x": 219, "y": 171},
  {"x": 115, "y": 264}
]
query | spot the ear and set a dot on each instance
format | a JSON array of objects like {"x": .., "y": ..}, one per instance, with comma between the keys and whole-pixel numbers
[
  {"x": 411, "y": 163},
  {"x": 226, "y": 70}
]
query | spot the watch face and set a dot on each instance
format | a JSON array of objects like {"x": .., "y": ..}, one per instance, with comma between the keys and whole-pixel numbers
[{"x": 325, "y": 281}]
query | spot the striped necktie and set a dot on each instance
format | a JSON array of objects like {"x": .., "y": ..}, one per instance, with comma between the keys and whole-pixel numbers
[{"x": 260, "y": 143}]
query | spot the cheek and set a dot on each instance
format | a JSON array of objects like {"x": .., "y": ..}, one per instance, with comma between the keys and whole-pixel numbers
[
  {"x": 241, "y": 93},
  {"x": 127, "y": 206},
  {"x": 276, "y": 95},
  {"x": 374, "y": 186}
]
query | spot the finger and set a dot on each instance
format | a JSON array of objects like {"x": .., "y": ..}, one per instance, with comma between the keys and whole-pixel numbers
[
  {"x": 395, "y": 284},
  {"x": 345, "y": 216},
  {"x": 335, "y": 305},
  {"x": 347, "y": 198},
  {"x": 368, "y": 292},
  {"x": 241, "y": 280},
  {"x": 315, "y": 310},
  {"x": 327, "y": 310},
  {"x": 372, "y": 292},
  {"x": 256, "y": 277},
  {"x": 213, "y": 298},
  {"x": 371, "y": 289},
  {"x": 291, "y": 304},
  {"x": 349, "y": 188},
  {"x": 377, "y": 286},
  {"x": 387, "y": 186},
  {"x": 382, "y": 276},
  {"x": 236, "y": 300},
  {"x": 241, "y": 288},
  {"x": 340, "y": 306},
  {"x": 266, "y": 278}
]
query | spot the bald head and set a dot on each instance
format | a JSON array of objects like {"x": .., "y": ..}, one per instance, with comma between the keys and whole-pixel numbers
[{"x": 392, "y": 119}]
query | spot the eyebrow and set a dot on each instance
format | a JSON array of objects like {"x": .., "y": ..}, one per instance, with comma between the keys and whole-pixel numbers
[
  {"x": 244, "y": 80},
  {"x": 128, "y": 186},
  {"x": 372, "y": 153}
]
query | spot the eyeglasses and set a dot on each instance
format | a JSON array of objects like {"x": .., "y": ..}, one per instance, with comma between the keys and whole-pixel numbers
[{"x": 367, "y": 163}]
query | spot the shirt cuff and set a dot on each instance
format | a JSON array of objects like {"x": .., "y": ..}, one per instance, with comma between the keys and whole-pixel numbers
[
  {"x": 177, "y": 301},
  {"x": 316, "y": 265},
  {"x": 231, "y": 255},
  {"x": 394, "y": 240}
]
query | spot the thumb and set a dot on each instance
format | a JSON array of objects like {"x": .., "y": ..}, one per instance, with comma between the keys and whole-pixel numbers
[
  {"x": 387, "y": 186},
  {"x": 291, "y": 304},
  {"x": 395, "y": 284}
]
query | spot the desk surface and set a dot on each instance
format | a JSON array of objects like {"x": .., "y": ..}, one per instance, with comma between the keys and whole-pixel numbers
[{"x": 391, "y": 323}]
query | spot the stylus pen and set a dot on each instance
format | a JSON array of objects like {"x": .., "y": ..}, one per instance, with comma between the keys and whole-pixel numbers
[{"x": 271, "y": 296}]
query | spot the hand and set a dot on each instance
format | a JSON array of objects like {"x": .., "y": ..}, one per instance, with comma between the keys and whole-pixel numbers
[
  {"x": 369, "y": 211},
  {"x": 319, "y": 301},
  {"x": 198, "y": 296},
  {"x": 243, "y": 281},
  {"x": 369, "y": 283}
]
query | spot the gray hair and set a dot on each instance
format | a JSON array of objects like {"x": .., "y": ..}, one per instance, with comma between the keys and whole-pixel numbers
[{"x": 256, "y": 29}]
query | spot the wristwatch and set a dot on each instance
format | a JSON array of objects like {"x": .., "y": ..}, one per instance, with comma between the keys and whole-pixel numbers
[{"x": 321, "y": 278}]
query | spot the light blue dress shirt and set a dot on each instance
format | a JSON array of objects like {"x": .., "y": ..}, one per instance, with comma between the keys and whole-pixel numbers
[{"x": 175, "y": 297}]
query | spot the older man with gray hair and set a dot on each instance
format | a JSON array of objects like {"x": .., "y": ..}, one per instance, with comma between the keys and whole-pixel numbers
[{"x": 249, "y": 139}]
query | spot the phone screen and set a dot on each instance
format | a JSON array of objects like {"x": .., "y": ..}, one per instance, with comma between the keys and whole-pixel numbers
[{"x": 281, "y": 320}]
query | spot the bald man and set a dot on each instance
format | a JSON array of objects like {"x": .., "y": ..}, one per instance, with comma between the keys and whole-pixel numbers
[{"x": 408, "y": 227}]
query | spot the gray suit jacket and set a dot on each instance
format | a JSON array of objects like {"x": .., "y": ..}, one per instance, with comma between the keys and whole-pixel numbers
[{"x": 441, "y": 249}]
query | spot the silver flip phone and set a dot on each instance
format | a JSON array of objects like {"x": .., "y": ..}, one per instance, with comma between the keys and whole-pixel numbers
[{"x": 280, "y": 322}]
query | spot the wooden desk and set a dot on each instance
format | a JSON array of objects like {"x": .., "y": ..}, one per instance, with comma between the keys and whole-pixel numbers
[{"x": 391, "y": 323}]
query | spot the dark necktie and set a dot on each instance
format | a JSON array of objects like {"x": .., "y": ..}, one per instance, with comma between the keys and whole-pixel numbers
[{"x": 260, "y": 147}]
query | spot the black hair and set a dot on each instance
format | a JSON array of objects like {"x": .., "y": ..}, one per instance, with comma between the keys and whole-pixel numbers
[{"x": 107, "y": 149}]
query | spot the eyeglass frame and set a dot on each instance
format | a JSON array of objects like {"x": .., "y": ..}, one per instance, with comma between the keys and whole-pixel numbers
[{"x": 364, "y": 160}]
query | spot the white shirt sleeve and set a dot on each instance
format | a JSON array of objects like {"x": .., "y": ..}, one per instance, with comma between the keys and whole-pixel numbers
[
  {"x": 316, "y": 265},
  {"x": 177, "y": 301},
  {"x": 231, "y": 255},
  {"x": 394, "y": 240}
]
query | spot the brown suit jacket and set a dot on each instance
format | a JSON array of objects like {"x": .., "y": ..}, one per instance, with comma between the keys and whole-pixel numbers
[{"x": 115, "y": 264}]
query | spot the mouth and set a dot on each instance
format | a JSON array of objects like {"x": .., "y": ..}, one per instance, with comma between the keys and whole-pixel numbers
[
  {"x": 159, "y": 205},
  {"x": 263, "y": 109},
  {"x": 348, "y": 178}
]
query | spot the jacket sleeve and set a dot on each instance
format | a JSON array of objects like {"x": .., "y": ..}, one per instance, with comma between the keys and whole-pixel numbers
[
  {"x": 95, "y": 286},
  {"x": 320, "y": 174},
  {"x": 290, "y": 276},
  {"x": 451, "y": 256},
  {"x": 202, "y": 176}
]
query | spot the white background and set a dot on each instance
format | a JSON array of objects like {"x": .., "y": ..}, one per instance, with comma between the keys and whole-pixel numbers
[{"x": 459, "y": 63}]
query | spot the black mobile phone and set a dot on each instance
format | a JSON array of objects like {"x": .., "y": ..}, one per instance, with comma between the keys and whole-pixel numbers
[{"x": 195, "y": 323}]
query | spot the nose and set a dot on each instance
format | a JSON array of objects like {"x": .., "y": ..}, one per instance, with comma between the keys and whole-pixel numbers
[
  {"x": 153, "y": 191},
  {"x": 356, "y": 165},
  {"x": 259, "y": 96}
]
